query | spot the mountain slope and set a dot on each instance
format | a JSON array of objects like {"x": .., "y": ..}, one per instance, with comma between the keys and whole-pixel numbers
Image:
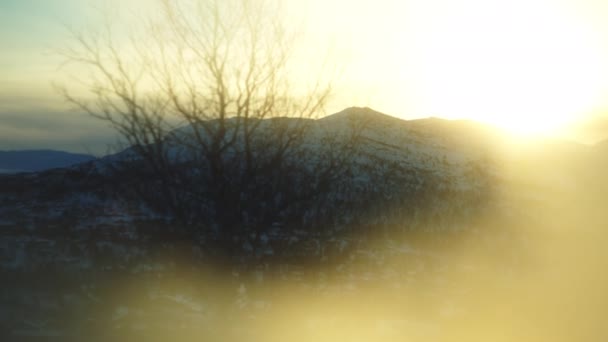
[
  {"x": 455, "y": 225},
  {"x": 39, "y": 160}
]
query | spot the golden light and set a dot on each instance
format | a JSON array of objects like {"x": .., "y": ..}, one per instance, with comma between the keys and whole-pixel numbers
[{"x": 525, "y": 65}]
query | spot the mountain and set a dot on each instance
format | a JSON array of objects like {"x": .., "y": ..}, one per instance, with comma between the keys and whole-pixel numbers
[
  {"x": 406, "y": 163},
  {"x": 429, "y": 175},
  {"x": 399, "y": 169},
  {"x": 39, "y": 160},
  {"x": 441, "y": 224}
]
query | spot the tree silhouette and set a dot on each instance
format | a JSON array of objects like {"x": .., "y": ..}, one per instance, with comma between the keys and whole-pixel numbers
[{"x": 216, "y": 126}]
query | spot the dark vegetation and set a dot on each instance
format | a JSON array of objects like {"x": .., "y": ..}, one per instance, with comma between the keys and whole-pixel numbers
[{"x": 93, "y": 249}]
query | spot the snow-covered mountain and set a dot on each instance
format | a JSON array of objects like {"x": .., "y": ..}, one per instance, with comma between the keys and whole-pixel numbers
[
  {"x": 405, "y": 171},
  {"x": 403, "y": 160},
  {"x": 436, "y": 203},
  {"x": 442, "y": 147}
]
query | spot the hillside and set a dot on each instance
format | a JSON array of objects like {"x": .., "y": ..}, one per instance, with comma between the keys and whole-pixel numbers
[
  {"x": 437, "y": 225},
  {"x": 39, "y": 160}
]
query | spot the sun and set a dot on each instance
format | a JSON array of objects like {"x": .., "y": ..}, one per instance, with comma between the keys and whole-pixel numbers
[{"x": 524, "y": 65}]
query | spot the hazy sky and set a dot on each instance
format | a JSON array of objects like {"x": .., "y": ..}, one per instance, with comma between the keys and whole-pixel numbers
[{"x": 543, "y": 62}]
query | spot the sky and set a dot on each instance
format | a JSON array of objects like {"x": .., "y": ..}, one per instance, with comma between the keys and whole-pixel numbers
[{"x": 530, "y": 66}]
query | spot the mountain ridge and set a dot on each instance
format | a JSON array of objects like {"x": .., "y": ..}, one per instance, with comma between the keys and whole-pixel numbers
[{"x": 33, "y": 160}]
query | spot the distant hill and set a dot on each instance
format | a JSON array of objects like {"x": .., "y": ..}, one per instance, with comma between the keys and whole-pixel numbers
[{"x": 39, "y": 160}]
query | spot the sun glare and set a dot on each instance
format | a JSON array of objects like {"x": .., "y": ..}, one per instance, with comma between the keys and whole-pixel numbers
[{"x": 526, "y": 66}]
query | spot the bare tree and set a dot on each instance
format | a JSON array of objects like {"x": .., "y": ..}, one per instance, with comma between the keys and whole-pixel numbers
[{"x": 217, "y": 127}]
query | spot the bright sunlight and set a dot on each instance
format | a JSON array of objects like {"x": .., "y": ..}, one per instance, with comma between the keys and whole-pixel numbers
[{"x": 527, "y": 66}]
